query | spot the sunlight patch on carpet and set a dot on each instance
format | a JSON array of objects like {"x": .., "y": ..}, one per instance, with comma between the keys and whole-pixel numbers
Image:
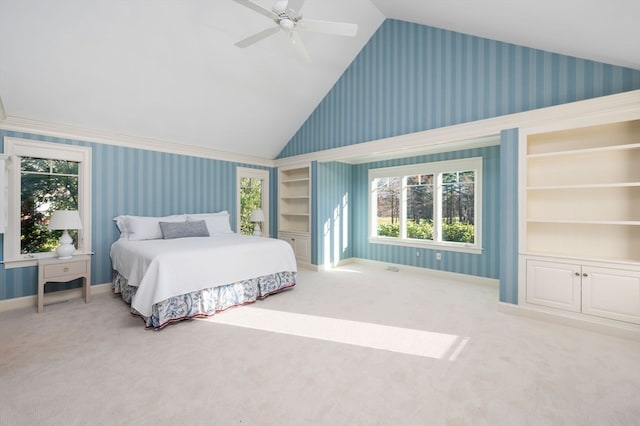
[{"x": 396, "y": 339}]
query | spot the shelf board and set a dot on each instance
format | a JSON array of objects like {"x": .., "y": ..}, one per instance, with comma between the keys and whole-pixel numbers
[
  {"x": 295, "y": 214},
  {"x": 585, "y": 150},
  {"x": 587, "y": 222},
  {"x": 584, "y": 186},
  {"x": 294, "y": 180}
]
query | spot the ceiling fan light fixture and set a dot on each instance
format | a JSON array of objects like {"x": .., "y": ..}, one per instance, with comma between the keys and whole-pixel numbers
[{"x": 286, "y": 24}]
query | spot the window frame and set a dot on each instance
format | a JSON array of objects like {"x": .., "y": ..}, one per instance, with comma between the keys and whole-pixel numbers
[
  {"x": 16, "y": 148},
  {"x": 436, "y": 168}
]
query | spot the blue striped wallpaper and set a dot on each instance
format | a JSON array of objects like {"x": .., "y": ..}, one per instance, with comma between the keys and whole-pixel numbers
[
  {"x": 333, "y": 223},
  {"x": 508, "y": 216},
  {"x": 411, "y": 77},
  {"x": 137, "y": 182},
  {"x": 486, "y": 264}
]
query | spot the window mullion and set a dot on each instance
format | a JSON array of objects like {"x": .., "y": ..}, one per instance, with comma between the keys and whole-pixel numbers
[
  {"x": 437, "y": 206},
  {"x": 403, "y": 209}
]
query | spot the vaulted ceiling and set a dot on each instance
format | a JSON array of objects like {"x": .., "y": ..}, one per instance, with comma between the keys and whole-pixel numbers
[{"x": 168, "y": 70}]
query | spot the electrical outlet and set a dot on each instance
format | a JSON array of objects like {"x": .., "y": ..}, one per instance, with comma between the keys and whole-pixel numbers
[
  {"x": 438, "y": 256},
  {"x": 417, "y": 253}
]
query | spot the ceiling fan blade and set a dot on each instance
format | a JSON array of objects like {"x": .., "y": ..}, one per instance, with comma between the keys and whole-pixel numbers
[
  {"x": 294, "y": 8},
  {"x": 326, "y": 27},
  {"x": 256, "y": 7},
  {"x": 298, "y": 45},
  {"x": 257, "y": 37}
]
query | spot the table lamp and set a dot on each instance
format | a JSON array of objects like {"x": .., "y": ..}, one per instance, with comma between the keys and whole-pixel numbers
[
  {"x": 257, "y": 216},
  {"x": 65, "y": 219}
]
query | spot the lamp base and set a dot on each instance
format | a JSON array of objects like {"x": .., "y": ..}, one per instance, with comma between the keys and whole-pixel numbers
[
  {"x": 66, "y": 248},
  {"x": 257, "y": 231}
]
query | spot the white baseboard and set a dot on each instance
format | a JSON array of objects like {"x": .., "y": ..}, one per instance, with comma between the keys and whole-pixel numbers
[
  {"x": 328, "y": 267},
  {"x": 51, "y": 297},
  {"x": 595, "y": 324},
  {"x": 432, "y": 272}
]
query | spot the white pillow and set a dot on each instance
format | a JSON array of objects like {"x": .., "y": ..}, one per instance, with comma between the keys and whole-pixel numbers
[
  {"x": 217, "y": 223},
  {"x": 146, "y": 227},
  {"x": 121, "y": 223}
]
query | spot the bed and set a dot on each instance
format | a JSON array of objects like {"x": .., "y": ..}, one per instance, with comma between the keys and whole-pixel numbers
[{"x": 201, "y": 269}]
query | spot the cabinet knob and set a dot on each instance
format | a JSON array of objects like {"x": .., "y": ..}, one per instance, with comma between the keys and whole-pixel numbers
[
  {"x": 577, "y": 274},
  {"x": 585, "y": 274},
  {"x": 66, "y": 269}
]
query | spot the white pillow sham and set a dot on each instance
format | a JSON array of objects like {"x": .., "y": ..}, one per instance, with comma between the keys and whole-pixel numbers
[
  {"x": 217, "y": 223},
  {"x": 136, "y": 228}
]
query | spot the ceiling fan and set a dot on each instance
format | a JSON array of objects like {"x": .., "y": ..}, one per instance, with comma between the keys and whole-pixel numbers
[{"x": 287, "y": 14}]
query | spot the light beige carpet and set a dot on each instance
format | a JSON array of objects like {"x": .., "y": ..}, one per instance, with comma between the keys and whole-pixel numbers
[{"x": 313, "y": 356}]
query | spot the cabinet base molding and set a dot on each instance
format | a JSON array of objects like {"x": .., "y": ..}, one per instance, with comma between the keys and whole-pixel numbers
[{"x": 595, "y": 324}]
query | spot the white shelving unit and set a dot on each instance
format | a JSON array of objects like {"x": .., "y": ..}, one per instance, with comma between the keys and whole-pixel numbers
[
  {"x": 580, "y": 233},
  {"x": 583, "y": 192},
  {"x": 294, "y": 210}
]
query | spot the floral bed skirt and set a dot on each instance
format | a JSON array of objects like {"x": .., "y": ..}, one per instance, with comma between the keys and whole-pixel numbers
[{"x": 205, "y": 302}]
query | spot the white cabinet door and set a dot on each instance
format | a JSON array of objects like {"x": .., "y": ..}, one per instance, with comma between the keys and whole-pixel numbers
[
  {"x": 302, "y": 248},
  {"x": 611, "y": 293},
  {"x": 300, "y": 243},
  {"x": 552, "y": 284}
]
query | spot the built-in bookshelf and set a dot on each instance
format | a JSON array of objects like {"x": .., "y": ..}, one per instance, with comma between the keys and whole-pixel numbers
[
  {"x": 294, "y": 209},
  {"x": 583, "y": 192},
  {"x": 580, "y": 248}
]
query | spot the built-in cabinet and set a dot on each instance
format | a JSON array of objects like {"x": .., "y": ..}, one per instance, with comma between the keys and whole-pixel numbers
[
  {"x": 580, "y": 220},
  {"x": 294, "y": 210},
  {"x": 607, "y": 292}
]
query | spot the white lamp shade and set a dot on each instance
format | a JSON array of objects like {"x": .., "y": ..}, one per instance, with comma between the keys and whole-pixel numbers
[
  {"x": 257, "y": 216},
  {"x": 65, "y": 219}
]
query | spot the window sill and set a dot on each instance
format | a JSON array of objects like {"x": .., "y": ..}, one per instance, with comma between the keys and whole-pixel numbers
[{"x": 429, "y": 245}]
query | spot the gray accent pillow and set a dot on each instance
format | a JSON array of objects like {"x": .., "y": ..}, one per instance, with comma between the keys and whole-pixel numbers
[{"x": 196, "y": 228}]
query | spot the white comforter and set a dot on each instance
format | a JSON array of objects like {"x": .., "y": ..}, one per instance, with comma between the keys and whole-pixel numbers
[{"x": 165, "y": 268}]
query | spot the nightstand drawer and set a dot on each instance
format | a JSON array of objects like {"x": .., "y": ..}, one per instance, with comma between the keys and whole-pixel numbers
[{"x": 66, "y": 268}]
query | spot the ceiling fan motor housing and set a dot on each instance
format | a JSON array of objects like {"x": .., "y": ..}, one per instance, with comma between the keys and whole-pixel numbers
[{"x": 280, "y": 7}]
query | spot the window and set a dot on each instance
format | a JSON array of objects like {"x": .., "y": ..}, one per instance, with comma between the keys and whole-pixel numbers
[
  {"x": 45, "y": 186},
  {"x": 44, "y": 177},
  {"x": 428, "y": 204},
  {"x": 253, "y": 193}
]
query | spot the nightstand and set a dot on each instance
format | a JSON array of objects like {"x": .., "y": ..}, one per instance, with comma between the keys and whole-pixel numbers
[{"x": 56, "y": 270}]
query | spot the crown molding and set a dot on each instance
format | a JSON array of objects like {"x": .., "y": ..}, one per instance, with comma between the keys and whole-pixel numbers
[
  {"x": 622, "y": 106},
  {"x": 110, "y": 138},
  {"x": 618, "y": 107}
]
